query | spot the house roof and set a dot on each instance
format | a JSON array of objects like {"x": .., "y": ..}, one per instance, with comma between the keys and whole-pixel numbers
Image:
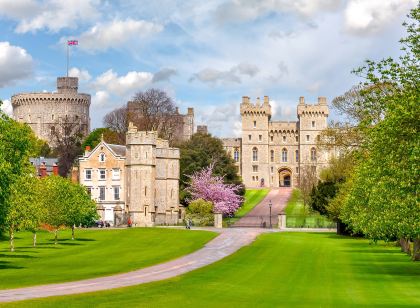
[{"x": 117, "y": 149}]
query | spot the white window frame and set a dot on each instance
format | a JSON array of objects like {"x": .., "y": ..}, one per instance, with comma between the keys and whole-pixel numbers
[
  {"x": 284, "y": 155},
  {"x": 86, "y": 175},
  {"x": 116, "y": 173},
  {"x": 102, "y": 157},
  {"x": 102, "y": 188},
  {"x": 254, "y": 168},
  {"x": 116, "y": 191},
  {"x": 100, "y": 174}
]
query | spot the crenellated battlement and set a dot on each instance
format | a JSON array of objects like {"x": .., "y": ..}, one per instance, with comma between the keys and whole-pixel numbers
[
  {"x": 247, "y": 108},
  {"x": 319, "y": 109},
  {"x": 140, "y": 137}
]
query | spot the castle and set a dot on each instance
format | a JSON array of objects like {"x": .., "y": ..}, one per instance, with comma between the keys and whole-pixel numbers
[
  {"x": 139, "y": 180},
  {"x": 45, "y": 111},
  {"x": 274, "y": 153}
]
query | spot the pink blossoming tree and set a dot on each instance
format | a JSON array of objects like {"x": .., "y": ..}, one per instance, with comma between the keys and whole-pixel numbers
[{"x": 211, "y": 188}]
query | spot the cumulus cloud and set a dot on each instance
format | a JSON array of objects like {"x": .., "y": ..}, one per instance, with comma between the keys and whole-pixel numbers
[
  {"x": 15, "y": 64},
  {"x": 100, "y": 98},
  {"x": 246, "y": 10},
  {"x": 51, "y": 15},
  {"x": 7, "y": 107},
  {"x": 221, "y": 120},
  {"x": 367, "y": 17},
  {"x": 164, "y": 74},
  {"x": 132, "y": 81},
  {"x": 82, "y": 74},
  {"x": 114, "y": 34},
  {"x": 233, "y": 75}
]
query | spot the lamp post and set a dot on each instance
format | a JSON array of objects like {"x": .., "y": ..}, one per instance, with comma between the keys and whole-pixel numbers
[{"x": 270, "y": 205}]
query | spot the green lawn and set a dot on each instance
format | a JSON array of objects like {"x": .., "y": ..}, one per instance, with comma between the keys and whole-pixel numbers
[
  {"x": 279, "y": 269},
  {"x": 94, "y": 253},
  {"x": 298, "y": 216},
  {"x": 252, "y": 198}
]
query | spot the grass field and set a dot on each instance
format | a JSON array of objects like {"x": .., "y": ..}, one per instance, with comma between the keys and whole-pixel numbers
[
  {"x": 278, "y": 270},
  {"x": 252, "y": 198},
  {"x": 94, "y": 253},
  {"x": 299, "y": 216}
]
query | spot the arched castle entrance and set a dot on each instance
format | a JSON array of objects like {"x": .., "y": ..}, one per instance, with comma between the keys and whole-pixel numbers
[{"x": 285, "y": 177}]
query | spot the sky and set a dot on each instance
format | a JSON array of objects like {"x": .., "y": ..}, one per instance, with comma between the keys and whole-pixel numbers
[{"x": 204, "y": 54}]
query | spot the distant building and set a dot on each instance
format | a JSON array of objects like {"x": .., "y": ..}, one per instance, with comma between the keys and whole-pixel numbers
[
  {"x": 45, "y": 166},
  {"x": 45, "y": 111},
  {"x": 202, "y": 129},
  {"x": 139, "y": 180},
  {"x": 273, "y": 153}
]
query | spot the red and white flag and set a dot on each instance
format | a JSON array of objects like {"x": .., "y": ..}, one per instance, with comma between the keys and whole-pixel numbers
[{"x": 73, "y": 42}]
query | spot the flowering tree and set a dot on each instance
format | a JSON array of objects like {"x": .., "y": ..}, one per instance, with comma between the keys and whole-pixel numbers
[{"x": 211, "y": 188}]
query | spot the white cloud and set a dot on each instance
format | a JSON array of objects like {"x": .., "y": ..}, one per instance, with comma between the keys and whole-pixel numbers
[
  {"x": 82, "y": 74},
  {"x": 164, "y": 74},
  {"x": 233, "y": 75},
  {"x": 100, "y": 98},
  {"x": 114, "y": 34},
  {"x": 51, "y": 15},
  {"x": 7, "y": 107},
  {"x": 367, "y": 17},
  {"x": 132, "y": 81},
  {"x": 15, "y": 64}
]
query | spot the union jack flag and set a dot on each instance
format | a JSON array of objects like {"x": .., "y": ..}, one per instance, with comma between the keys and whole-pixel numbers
[{"x": 73, "y": 42}]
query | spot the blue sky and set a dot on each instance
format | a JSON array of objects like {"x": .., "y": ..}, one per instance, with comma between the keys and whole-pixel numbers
[{"x": 205, "y": 54}]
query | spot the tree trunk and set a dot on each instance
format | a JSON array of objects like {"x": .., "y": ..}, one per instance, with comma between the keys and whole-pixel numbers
[
  {"x": 416, "y": 249},
  {"x": 56, "y": 237},
  {"x": 12, "y": 237},
  {"x": 72, "y": 232},
  {"x": 34, "y": 239},
  {"x": 405, "y": 245}
]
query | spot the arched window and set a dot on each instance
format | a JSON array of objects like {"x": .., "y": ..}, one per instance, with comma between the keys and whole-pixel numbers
[
  {"x": 284, "y": 155},
  {"x": 254, "y": 154},
  {"x": 272, "y": 155},
  {"x": 102, "y": 157},
  {"x": 297, "y": 155},
  {"x": 313, "y": 154},
  {"x": 236, "y": 155}
]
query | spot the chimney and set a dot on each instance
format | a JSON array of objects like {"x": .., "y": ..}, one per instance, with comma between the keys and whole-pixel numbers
[
  {"x": 190, "y": 111},
  {"x": 43, "y": 170},
  {"x": 322, "y": 100},
  {"x": 87, "y": 150},
  {"x": 301, "y": 100},
  {"x": 55, "y": 169}
]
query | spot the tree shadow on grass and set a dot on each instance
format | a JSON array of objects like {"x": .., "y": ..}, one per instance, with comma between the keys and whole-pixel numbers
[
  {"x": 8, "y": 265},
  {"x": 84, "y": 239},
  {"x": 12, "y": 255},
  {"x": 398, "y": 268}
]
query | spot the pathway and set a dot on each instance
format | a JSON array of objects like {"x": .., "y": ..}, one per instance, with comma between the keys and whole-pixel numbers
[
  {"x": 229, "y": 241},
  {"x": 261, "y": 212}
]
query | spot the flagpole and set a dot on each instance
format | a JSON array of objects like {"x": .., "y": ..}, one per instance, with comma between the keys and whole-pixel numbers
[{"x": 67, "y": 59}]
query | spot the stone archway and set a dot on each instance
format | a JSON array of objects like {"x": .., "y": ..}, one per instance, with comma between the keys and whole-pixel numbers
[{"x": 285, "y": 177}]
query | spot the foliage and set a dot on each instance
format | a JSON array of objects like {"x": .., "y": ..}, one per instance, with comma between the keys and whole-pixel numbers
[
  {"x": 307, "y": 181},
  {"x": 201, "y": 151},
  {"x": 96, "y": 135},
  {"x": 117, "y": 121},
  {"x": 224, "y": 197},
  {"x": 382, "y": 200},
  {"x": 200, "y": 212},
  {"x": 321, "y": 195}
]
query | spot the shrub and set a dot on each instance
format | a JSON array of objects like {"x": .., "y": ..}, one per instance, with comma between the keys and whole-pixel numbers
[{"x": 200, "y": 212}]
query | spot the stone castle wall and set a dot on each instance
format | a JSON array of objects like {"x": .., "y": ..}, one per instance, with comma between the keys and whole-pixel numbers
[{"x": 44, "y": 111}]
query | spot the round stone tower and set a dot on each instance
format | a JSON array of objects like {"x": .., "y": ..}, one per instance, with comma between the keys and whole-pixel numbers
[{"x": 45, "y": 111}]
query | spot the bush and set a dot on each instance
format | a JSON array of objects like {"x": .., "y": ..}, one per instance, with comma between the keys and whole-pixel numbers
[{"x": 200, "y": 212}]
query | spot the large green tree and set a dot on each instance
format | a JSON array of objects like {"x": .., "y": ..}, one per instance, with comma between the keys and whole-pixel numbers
[
  {"x": 201, "y": 151},
  {"x": 382, "y": 200},
  {"x": 96, "y": 136}
]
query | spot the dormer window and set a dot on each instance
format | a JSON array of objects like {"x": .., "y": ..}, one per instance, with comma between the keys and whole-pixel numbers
[{"x": 102, "y": 157}]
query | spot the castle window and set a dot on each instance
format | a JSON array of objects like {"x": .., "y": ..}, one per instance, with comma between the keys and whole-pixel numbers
[
  {"x": 145, "y": 191},
  {"x": 255, "y": 124},
  {"x": 272, "y": 169},
  {"x": 297, "y": 139},
  {"x": 52, "y": 130},
  {"x": 260, "y": 138},
  {"x": 101, "y": 193},
  {"x": 236, "y": 155},
  {"x": 52, "y": 117},
  {"x": 254, "y": 168},
  {"x": 249, "y": 137},
  {"x": 313, "y": 154},
  {"x": 284, "y": 138},
  {"x": 271, "y": 138},
  {"x": 102, "y": 174},
  {"x": 254, "y": 154},
  {"x": 284, "y": 155},
  {"x": 253, "y": 178},
  {"x": 313, "y": 124},
  {"x": 307, "y": 137},
  {"x": 116, "y": 193},
  {"x": 272, "y": 156},
  {"x": 297, "y": 155},
  {"x": 102, "y": 157},
  {"x": 297, "y": 169},
  {"x": 88, "y": 174}
]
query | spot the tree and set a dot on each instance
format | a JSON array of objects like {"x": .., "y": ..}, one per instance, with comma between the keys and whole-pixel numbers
[
  {"x": 117, "y": 121},
  {"x": 67, "y": 138},
  {"x": 382, "y": 201},
  {"x": 93, "y": 139},
  {"x": 16, "y": 146},
  {"x": 204, "y": 185},
  {"x": 24, "y": 206},
  {"x": 307, "y": 181},
  {"x": 200, "y": 212},
  {"x": 201, "y": 151}
]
